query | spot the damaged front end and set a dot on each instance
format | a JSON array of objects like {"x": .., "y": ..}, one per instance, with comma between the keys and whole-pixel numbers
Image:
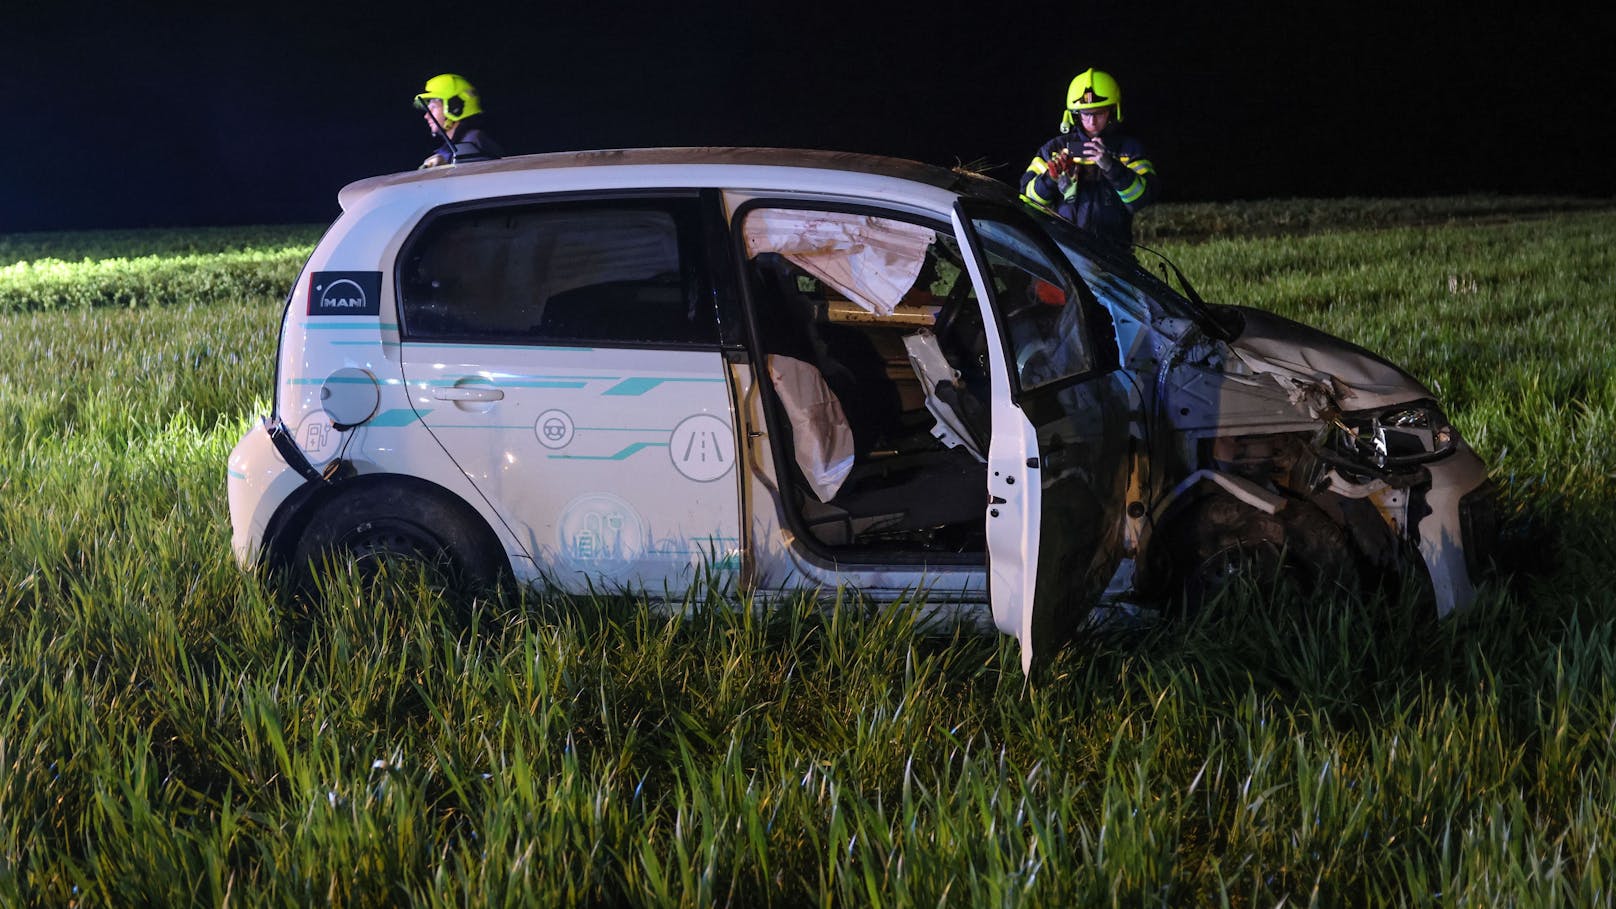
[
  {"x": 1255, "y": 429},
  {"x": 1286, "y": 416},
  {"x": 1429, "y": 487}
]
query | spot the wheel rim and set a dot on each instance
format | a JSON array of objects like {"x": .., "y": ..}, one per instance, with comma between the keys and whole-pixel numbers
[
  {"x": 386, "y": 547},
  {"x": 1263, "y": 564}
]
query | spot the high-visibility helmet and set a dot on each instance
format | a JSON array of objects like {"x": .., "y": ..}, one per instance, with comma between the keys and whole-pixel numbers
[
  {"x": 458, "y": 97},
  {"x": 1091, "y": 90}
]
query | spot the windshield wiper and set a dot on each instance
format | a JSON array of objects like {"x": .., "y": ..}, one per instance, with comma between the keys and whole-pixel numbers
[{"x": 1225, "y": 328}]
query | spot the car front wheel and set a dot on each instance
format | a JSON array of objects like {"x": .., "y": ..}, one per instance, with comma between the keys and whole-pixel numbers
[{"x": 1298, "y": 550}]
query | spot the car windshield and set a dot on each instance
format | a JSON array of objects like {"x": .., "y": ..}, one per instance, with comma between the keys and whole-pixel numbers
[{"x": 1117, "y": 277}]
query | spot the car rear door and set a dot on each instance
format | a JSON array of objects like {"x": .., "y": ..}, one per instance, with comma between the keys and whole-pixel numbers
[
  {"x": 566, "y": 356},
  {"x": 1057, "y": 460}
]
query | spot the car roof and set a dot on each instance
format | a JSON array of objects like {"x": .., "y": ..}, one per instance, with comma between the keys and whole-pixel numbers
[{"x": 827, "y": 163}]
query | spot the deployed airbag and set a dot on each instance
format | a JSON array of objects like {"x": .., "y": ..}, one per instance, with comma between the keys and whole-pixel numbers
[
  {"x": 872, "y": 261},
  {"x": 822, "y": 440}
]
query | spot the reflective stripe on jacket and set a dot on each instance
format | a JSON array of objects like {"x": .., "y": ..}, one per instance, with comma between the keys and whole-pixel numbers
[{"x": 1093, "y": 201}]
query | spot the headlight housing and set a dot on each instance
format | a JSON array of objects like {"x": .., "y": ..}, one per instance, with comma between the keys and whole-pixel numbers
[{"x": 1391, "y": 438}]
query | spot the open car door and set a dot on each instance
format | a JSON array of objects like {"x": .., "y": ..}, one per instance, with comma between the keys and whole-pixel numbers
[{"x": 1057, "y": 459}]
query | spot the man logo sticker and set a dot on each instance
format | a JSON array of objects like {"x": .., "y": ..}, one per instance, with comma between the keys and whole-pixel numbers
[{"x": 345, "y": 293}]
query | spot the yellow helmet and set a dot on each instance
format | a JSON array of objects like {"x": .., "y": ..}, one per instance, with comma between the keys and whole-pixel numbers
[
  {"x": 458, "y": 97},
  {"x": 1092, "y": 89}
]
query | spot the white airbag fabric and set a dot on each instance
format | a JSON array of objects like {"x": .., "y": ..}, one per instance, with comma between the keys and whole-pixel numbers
[
  {"x": 873, "y": 261},
  {"x": 822, "y": 438}
]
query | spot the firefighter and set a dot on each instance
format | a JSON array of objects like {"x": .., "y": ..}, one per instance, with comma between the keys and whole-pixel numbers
[
  {"x": 1091, "y": 174},
  {"x": 453, "y": 113}
]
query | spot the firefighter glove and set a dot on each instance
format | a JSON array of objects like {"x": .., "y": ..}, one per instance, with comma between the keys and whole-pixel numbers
[{"x": 1062, "y": 165}]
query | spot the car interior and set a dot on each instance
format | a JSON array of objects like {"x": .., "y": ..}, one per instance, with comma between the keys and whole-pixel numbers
[{"x": 903, "y": 398}]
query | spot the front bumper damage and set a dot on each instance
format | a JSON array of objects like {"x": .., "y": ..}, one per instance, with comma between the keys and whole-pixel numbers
[{"x": 1456, "y": 535}]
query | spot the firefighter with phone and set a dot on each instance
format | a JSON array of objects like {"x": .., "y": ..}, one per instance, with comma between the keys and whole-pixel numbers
[{"x": 1092, "y": 174}]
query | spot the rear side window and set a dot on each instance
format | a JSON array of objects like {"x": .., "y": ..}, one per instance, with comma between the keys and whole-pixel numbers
[{"x": 587, "y": 272}]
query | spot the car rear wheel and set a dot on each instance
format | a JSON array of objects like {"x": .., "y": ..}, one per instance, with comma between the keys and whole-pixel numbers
[{"x": 390, "y": 530}]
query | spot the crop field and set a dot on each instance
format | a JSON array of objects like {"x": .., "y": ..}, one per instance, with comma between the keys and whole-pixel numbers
[{"x": 173, "y": 733}]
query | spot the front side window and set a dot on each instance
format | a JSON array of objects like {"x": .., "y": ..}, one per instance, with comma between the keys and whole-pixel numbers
[
  {"x": 1039, "y": 304},
  {"x": 583, "y": 272}
]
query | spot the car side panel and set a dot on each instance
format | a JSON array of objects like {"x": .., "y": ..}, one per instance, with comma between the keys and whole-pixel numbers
[{"x": 612, "y": 466}]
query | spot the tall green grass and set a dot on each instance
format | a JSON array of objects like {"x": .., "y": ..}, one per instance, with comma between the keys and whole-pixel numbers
[
  {"x": 172, "y": 733},
  {"x": 1192, "y": 221}
]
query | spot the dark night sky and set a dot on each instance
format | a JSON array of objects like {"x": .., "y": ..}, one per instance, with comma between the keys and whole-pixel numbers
[{"x": 162, "y": 114}]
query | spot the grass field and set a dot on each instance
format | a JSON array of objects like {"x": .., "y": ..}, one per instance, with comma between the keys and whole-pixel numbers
[{"x": 170, "y": 734}]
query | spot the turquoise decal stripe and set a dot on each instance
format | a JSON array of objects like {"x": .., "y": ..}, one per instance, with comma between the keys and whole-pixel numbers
[
  {"x": 340, "y": 380},
  {"x": 520, "y": 381},
  {"x": 398, "y": 416},
  {"x": 348, "y": 326},
  {"x": 623, "y": 455},
  {"x": 236, "y": 474},
  {"x": 419, "y": 344},
  {"x": 700, "y": 549},
  {"x": 509, "y": 383},
  {"x": 528, "y": 426},
  {"x": 642, "y": 384}
]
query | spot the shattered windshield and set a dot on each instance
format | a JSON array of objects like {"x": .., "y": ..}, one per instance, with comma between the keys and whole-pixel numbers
[{"x": 1116, "y": 278}]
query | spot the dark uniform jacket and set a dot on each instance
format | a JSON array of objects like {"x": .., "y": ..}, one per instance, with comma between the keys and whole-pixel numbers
[
  {"x": 1091, "y": 199},
  {"x": 471, "y": 143}
]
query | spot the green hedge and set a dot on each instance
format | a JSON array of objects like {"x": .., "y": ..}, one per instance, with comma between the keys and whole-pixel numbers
[{"x": 70, "y": 269}]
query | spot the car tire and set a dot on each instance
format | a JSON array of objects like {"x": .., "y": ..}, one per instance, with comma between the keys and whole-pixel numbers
[
  {"x": 406, "y": 524},
  {"x": 1298, "y": 549}
]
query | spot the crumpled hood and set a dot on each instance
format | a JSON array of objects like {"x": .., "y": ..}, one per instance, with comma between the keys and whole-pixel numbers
[{"x": 1302, "y": 356}]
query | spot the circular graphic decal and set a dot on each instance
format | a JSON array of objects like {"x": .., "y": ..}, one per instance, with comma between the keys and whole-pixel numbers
[
  {"x": 317, "y": 437},
  {"x": 554, "y": 429},
  {"x": 702, "y": 448},
  {"x": 601, "y": 533}
]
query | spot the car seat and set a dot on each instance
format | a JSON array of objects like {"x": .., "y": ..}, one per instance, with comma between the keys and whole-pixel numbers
[{"x": 883, "y": 496}]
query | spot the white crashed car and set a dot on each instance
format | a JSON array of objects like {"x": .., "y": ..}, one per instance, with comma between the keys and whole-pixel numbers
[{"x": 654, "y": 369}]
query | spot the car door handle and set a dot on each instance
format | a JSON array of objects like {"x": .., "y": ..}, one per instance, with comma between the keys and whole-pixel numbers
[{"x": 468, "y": 393}]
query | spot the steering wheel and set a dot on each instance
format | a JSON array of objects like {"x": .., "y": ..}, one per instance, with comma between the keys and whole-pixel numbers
[{"x": 957, "y": 301}]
